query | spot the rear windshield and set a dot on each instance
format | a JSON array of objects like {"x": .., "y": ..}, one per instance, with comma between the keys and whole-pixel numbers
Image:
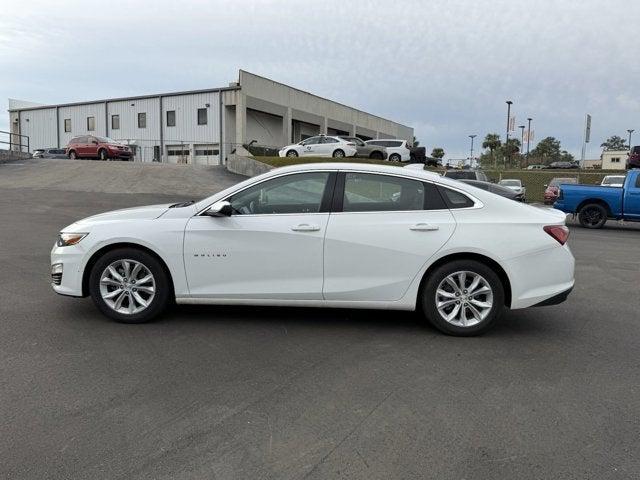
[
  {"x": 557, "y": 181},
  {"x": 458, "y": 174},
  {"x": 510, "y": 183}
]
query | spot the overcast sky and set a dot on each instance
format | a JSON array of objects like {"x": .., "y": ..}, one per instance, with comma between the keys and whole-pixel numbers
[{"x": 442, "y": 67}]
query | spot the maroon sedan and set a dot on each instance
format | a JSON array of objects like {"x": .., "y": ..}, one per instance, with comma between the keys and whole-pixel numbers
[
  {"x": 551, "y": 192},
  {"x": 104, "y": 148}
]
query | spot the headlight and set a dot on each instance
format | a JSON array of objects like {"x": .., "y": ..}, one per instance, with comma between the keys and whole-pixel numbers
[{"x": 68, "y": 239}]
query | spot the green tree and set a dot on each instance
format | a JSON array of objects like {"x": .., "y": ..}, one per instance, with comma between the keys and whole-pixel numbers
[
  {"x": 492, "y": 142},
  {"x": 437, "y": 152},
  {"x": 511, "y": 152},
  {"x": 614, "y": 143},
  {"x": 548, "y": 150}
]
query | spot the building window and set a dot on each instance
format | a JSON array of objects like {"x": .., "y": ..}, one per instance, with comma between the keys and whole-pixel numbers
[
  {"x": 202, "y": 116},
  {"x": 67, "y": 124},
  {"x": 178, "y": 151},
  {"x": 91, "y": 124},
  {"x": 115, "y": 122},
  {"x": 206, "y": 152},
  {"x": 142, "y": 120},
  {"x": 171, "y": 118},
  {"x": 615, "y": 160}
]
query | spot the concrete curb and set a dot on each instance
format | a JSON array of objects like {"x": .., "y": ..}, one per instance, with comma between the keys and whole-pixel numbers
[
  {"x": 7, "y": 156},
  {"x": 247, "y": 166}
]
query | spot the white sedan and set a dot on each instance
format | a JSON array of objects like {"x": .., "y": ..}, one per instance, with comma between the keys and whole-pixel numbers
[
  {"x": 320, "y": 146},
  {"x": 514, "y": 184},
  {"x": 324, "y": 235}
]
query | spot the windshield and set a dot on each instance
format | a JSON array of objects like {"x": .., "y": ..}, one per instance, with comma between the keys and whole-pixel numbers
[
  {"x": 105, "y": 140},
  {"x": 510, "y": 183}
]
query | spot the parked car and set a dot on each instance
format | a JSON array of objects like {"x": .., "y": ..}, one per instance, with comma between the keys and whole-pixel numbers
[
  {"x": 466, "y": 175},
  {"x": 366, "y": 151},
  {"x": 535, "y": 167},
  {"x": 514, "y": 184},
  {"x": 563, "y": 165},
  {"x": 320, "y": 146},
  {"x": 634, "y": 157},
  {"x": 551, "y": 190},
  {"x": 103, "y": 148},
  {"x": 324, "y": 235},
  {"x": 594, "y": 204},
  {"x": 497, "y": 189},
  {"x": 398, "y": 150},
  {"x": 49, "y": 153},
  {"x": 613, "y": 181}
]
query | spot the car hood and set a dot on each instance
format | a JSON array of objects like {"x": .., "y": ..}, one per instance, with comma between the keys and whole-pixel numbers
[{"x": 148, "y": 212}]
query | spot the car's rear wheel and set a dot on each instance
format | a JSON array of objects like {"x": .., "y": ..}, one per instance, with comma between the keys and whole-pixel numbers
[
  {"x": 103, "y": 155},
  {"x": 338, "y": 153},
  {"x": 376, "y": 155},
  {"x": 129, "y": 285},
  {"x": 592, "y": 215},
  {"x": 73, "y": 155},
  {"x": 463, "y": 298},
  {"x": 394, "y": 157},
  {"x": 292, "y": 153}
]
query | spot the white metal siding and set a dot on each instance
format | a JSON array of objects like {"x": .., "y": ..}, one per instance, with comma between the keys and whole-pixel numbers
[
  {"x": 187, "y": 129},
  {"x": 129, "y": 132},
  {"x": 78, "y": 115},
  {"x": 40, "y": 126}
]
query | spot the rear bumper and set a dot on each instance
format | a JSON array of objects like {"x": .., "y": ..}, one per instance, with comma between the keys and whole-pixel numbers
[
  {"x": 555, "y": 300},
  {"x": 541, "y": 276}
]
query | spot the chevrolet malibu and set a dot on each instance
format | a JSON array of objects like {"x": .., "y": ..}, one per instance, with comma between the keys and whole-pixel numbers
[{"x": 324, "y": 235}]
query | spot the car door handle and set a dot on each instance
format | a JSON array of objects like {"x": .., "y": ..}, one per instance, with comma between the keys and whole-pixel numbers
[
  {"x": 424, "y": 227},
  {"x": 305, "y": 227}
]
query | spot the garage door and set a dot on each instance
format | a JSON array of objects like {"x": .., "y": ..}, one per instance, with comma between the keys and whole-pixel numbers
[
  {"x": 207, "y": 154},
  {"x": 178, "y": 154}
]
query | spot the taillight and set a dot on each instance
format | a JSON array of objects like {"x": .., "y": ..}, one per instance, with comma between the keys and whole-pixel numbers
[{"x": 559, "y": 232}]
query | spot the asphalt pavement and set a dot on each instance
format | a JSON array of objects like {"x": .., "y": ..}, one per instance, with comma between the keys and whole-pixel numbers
[{"x": 275, "y": 393}]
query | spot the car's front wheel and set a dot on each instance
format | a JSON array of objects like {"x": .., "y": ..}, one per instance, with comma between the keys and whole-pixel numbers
[
  {"x": 292, "y": 154},
  {"x": 103, "y": 155},
  {"x": 463, "y": 298},
  {"x": 129, "y": 285},
  {"x": 394, "y": 157}
]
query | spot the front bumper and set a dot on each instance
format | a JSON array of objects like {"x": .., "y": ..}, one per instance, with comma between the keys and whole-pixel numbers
[{"x": 70, "y": 262}]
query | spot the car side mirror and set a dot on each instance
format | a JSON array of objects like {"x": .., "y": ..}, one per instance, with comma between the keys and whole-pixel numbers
[
  {"x": 219, "y": 209},
  {"x": 95, "y": 142}
]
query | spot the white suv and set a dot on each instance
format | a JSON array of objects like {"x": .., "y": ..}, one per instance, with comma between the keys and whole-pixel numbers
[
  {"x": 320, "y": 146},
  {"x": 398, "y": 150}
]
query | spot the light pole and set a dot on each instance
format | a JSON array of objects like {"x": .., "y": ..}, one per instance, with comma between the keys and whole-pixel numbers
[
  {"x": 528, "y": 138},
  {"x": 509, "y": 103},
  {"x": 471, "y": 154},
  {"x": 521, "y": 127},
  {"x": 630, "y": 132}
]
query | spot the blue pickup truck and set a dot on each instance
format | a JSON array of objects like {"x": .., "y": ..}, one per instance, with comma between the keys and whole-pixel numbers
[{"x": 595, "y": 204}]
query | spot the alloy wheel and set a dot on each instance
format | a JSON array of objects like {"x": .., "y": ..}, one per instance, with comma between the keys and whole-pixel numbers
[
  {"x": 127, "y": 286},
  {"x": 464, "y": 298}
]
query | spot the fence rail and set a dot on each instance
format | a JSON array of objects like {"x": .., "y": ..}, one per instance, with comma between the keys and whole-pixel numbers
[{"x": 15, "y": 141}]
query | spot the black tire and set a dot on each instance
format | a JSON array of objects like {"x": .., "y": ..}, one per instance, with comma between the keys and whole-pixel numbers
[
  {"x": 592, "y": 215},
  {"x": 73, "y": 155},
  {"x": 292, "y": 154},
  {"x": 376, "y": 155},
  {"x": 103, "y": 154},
  {"x": 338, "y": 153},
  {"x": 163, "y": 289},
  {"x": 394, "y": 157},
  {"x": 428, "y": 297}
]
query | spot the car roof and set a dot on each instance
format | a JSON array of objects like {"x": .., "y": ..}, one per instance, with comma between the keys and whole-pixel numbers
[{"x": 360, "y": 167}]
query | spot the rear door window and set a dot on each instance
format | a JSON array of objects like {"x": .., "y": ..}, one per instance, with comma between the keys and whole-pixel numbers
[{"x": 369, "y": 192}]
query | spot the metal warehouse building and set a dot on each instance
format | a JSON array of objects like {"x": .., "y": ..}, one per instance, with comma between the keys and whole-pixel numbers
[{"x": 201, "y": 126}]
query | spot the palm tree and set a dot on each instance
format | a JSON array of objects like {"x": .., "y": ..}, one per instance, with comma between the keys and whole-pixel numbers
[{"x": 491, "y": 141}]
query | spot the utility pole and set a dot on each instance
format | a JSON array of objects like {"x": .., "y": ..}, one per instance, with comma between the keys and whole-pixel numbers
[
  {"x": 471, "y": 154},
  {"x": 587, "y": 137},
  {"x": 630, "y": 132},
  {"x": 521, "y": 127},
  {"x": 528, "y": 138}
]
